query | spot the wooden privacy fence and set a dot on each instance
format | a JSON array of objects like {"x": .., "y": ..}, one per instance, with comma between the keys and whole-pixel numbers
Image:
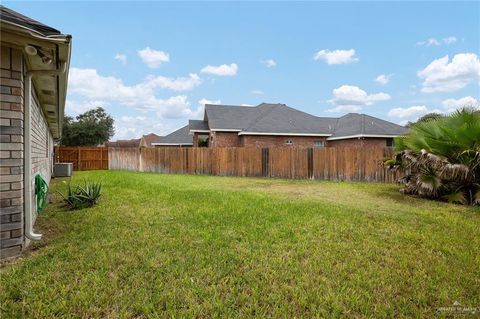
[
  {"x": 83, "y": 158},
  {"x": 339, "y": 164}
]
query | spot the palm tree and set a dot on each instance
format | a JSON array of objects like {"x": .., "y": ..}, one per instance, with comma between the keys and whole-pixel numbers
[{"x": 441, "y": 158}]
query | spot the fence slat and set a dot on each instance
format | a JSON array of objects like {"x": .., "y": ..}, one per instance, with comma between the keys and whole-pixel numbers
[
  {"x": 336, "y": 164},
  {"x": 83, "y": 158}
]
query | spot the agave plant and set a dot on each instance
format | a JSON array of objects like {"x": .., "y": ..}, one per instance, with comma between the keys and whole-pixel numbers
[
  {"x": 441, "y": 158},
  {"x": 78, "y": 197}
]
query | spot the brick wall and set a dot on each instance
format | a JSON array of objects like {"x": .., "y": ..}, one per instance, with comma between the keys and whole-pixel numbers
[
  {"x": 355, "y": 142},
  {"x": 11, "y": 161},
  {"x": 277, "y": 141},
  {"x": 12, "y": 240},
  {"x": 224, "y": 139}
]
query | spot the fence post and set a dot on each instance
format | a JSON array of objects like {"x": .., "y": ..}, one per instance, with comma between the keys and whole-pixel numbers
[
  {"x": 140, "y": 160},
  {"x": 265, "y": 162},
  {"x": 310, "y": 163},
  {"x": 79, "y": 159}
]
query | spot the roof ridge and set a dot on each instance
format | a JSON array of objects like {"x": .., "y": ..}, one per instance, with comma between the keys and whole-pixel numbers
[{"x": 262, "y": 116}]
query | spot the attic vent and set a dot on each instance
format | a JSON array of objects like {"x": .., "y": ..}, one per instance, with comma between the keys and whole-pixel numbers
[{"x": 48, "y": 92}]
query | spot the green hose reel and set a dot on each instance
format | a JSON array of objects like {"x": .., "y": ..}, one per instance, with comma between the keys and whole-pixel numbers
[{"x": 41, "y": 190}]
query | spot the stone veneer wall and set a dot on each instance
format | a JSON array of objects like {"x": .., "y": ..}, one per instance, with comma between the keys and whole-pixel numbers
[{"x": 12, "y": 239}]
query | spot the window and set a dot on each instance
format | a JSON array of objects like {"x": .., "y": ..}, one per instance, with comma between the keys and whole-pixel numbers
[
  {"x": 390, "y": 142},
  {"x": 288, "y": 142},
  {"x": 319, "y": 143}
]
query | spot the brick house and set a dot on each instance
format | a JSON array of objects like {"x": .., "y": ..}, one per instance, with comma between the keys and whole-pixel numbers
[
  {"x": 275, "y": 125},
  {"x": 144, "y": 141},
  {"x": 34, "y": 68}
]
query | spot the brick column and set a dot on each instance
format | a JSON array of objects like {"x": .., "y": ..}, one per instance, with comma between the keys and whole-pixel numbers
[{"x": 11, "y": 152}]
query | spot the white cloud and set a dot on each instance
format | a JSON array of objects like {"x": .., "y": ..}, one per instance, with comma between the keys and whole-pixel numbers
[
  {"x": 127, "y": 127},
  {"x": 434, "y": 42},
  {"x": 153, "y": 58},
  {"x": 450, "y": 105},
  {"x": 246, "y": 104},
  {"x": 349, "y": 98},
  {"x": 444, "y": 76},
  {"x": 269, "y": 63},
  {"x": 429, "y": 42},
  {"x": 204, "y": 101},
  {"x": 257, "y": 92},
  {"x": 449, "y": 40},
  {"x": 74, "y": 107},
  {"x": 403, "y": 115},
  {"x": 121, "y": 57},
  {"x": 408, "y": 112},
  {"x": 336, "y": 56},
  {"x": 90, "y": 86},
  {"x": 345, "y": 109},
  {"x": 177, "y": 84},
  {"x": 221, "y": 70},
  {"x": 383, "y": 78}
]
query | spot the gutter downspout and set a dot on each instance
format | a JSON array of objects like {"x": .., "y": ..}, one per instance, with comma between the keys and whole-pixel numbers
[{"x": 27, "y": 173}]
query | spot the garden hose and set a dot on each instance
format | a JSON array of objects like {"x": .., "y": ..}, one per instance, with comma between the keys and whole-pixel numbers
[{"x": 41, "y": 190}]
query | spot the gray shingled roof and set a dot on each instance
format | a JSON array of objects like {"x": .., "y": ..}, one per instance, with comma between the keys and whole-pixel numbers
[
  {"x": 198, "y": 125},
  {"x": 279, "y": 118},
  {"x": 9, "y": 15},
  {"x": 180, "y": 136},
  {"x": 266, "y": 118},
  {"x": 362, "y": 124}
]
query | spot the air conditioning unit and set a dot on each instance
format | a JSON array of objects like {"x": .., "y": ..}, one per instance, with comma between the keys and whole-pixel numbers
[{"x": 62, "y": 169}]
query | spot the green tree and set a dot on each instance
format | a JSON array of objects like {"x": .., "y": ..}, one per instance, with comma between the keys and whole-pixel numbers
[
  {"x": 441, "y": 158},
  {"x": 88, "y": 129},
  {"x": 425, "y": 118}
]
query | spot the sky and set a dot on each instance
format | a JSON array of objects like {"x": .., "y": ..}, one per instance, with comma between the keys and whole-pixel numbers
[{"x": 153, "y": 65}]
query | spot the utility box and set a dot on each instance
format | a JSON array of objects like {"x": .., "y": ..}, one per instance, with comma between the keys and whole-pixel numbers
[{"x": 62, "y": 169}]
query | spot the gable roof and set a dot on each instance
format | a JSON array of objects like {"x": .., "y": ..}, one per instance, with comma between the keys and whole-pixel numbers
[
  {"x": 198, "y": 125},
  {"x": 280, "y": 119},
  {"x": 148, "y": 139},
  {"x": 181, "y": 136},
  {"x": 361, "y": 125}
]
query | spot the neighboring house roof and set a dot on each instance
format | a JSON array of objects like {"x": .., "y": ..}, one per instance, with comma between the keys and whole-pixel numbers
[
  {"x": 144, "y": 141},
  {"x": 198, "y": 126},
  {"x": 48, "y": 50},
  {"x": 148, "y": 139},
  {"x": 181, "y": 136},
  {"x": 280, "y": 119},
  {"x": 124, "y": 143},
  {"x": 354, "y": 125}
]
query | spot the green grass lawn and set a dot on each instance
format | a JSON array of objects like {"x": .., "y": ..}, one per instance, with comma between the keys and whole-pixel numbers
[{"x": 201, "y": 246}]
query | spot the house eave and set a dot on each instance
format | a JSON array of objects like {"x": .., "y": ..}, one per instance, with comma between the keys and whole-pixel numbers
[
  {"x": 362, "y": 136},
  {"x": 225, "y": 130},
  {"x": 284, "y": 134},
  {"x": 199, "y": 131},
  {"x": 53, "y": 106},
  {"x": 170, "y": 144}
]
